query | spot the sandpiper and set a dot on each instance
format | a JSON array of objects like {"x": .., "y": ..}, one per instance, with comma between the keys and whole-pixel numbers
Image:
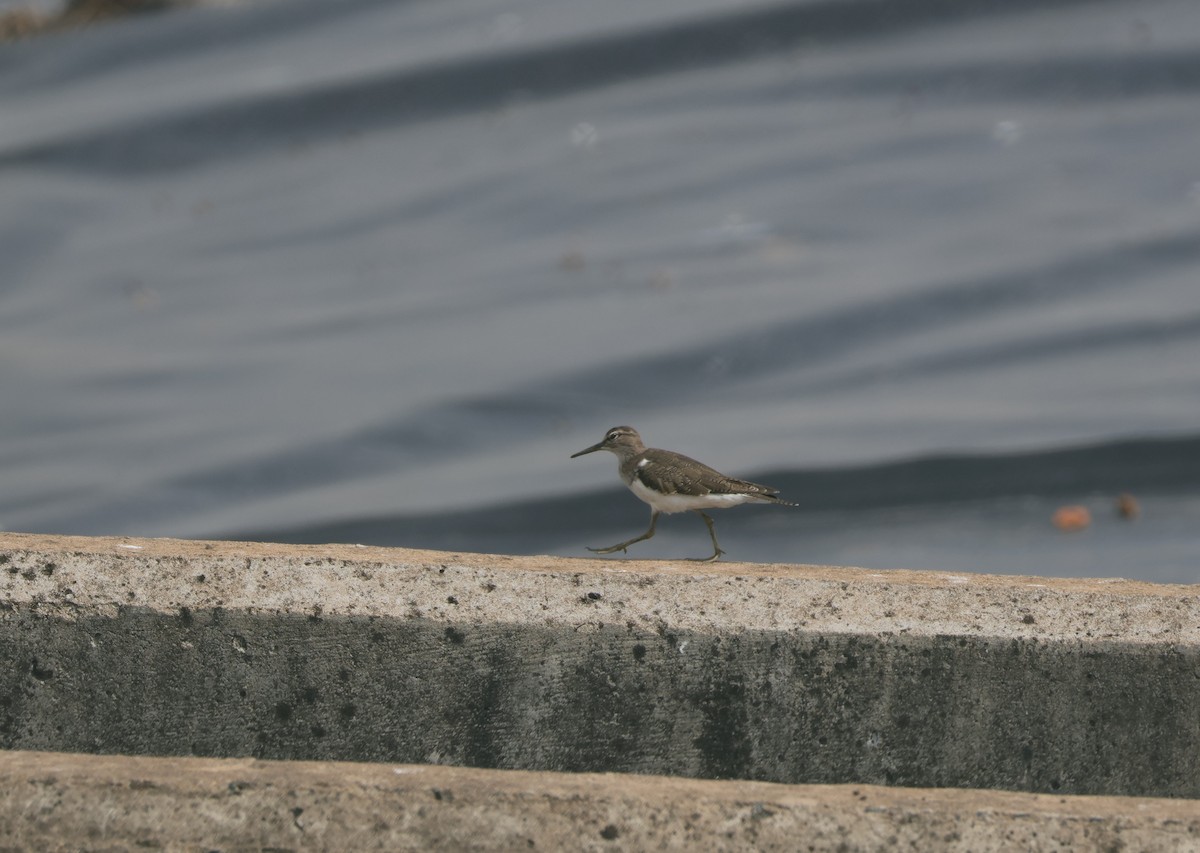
[{"x": 671, "y": 482}]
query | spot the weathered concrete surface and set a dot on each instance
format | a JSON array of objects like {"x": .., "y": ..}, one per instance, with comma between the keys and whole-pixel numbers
[
  {"x": 769, "y": 672},
  {"x": 56, "y": 801}
]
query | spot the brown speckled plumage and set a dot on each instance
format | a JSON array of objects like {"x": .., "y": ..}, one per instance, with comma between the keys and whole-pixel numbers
[{"x": 671, "y": 482}]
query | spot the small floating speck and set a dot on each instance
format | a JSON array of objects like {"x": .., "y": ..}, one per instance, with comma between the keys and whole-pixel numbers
[
  {"x": 572, "y": 260},
  {"x": 1071, "y": 518},
  {"x": 1007, "y": 132},
  {"x": 1127, "y": 506},
  {"x": 736, "y": 229},
  {"x": 584, "y": 135}
]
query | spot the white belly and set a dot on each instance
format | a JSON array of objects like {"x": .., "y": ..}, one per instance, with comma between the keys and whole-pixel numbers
[{"x": 682, "y": 503}]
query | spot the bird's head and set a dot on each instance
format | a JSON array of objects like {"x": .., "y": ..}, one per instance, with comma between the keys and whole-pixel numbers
[{"x": 621, "y": 440}]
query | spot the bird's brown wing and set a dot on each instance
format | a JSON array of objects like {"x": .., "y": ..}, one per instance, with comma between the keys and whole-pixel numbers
[{"x": 666, "y": 475}]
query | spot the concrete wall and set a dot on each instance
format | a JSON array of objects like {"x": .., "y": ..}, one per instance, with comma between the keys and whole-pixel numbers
[
  {"x": 779, "y": 673},
  {"x": 793, "y": 674}
]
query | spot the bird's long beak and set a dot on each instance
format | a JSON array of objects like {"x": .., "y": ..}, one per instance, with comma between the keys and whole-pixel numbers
[{"x": 592, "y": 449}]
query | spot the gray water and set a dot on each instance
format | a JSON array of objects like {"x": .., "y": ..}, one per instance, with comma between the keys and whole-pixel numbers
[{"x": 371, "y": 271}]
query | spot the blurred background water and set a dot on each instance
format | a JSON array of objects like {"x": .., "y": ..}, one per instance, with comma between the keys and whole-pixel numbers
[{"x": 371, "y": 271}]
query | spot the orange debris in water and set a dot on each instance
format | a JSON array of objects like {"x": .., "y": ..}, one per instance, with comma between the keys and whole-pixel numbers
[
  {"x": 1072, "y": 517},
  {"x": 1127, "y": 506}
]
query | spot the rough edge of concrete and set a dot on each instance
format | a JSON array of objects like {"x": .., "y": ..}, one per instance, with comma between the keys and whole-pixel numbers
[
  {"x": 61, "y": 801},
  {"x": 67, "y": 576}
]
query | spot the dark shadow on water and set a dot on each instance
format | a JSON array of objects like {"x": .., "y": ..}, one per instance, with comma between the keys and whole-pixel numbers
[{"x": 236, "y": 128}]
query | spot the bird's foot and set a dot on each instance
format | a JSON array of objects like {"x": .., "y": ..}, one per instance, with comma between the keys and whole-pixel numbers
[{"x": 610, "y": 549}]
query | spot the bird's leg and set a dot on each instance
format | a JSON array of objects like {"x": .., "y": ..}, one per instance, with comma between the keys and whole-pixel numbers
[
  {"x": 712, "y": 531},
  {"x": 621, "y": 546}
]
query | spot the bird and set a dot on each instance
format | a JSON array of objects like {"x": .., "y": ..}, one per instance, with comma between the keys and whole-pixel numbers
[{"x": 671, "y": 482}]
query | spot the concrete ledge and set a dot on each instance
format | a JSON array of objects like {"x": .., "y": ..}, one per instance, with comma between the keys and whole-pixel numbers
[
  {"x": 56, "y": 801},
  {"x": 794, "y": 674}
]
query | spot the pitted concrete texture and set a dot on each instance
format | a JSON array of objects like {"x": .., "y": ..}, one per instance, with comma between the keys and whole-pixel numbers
[
  {"x": 56, "y": 801},
  {"x": 795, "y": 674}
]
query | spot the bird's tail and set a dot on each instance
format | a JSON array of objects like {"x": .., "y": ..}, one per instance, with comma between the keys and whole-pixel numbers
[{"x": 758, "y": 492}]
